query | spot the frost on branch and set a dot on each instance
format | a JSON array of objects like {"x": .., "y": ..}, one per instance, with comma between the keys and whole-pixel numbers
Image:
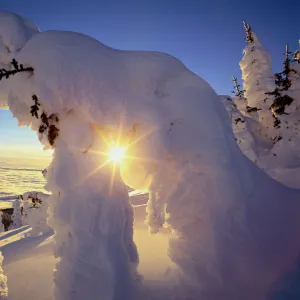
[{"x": 4, "y": 73}]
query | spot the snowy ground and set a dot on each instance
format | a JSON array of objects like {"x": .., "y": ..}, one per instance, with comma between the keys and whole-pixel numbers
[{"x": 29, "y": 262}]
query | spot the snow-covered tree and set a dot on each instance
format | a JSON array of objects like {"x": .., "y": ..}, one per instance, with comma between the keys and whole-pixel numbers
[
  {"x": 17, "y": 215},
  {"x": 273, "y": 108},
  {"x": 3, "y": 281},
  {"x": 283, "y": 83},
  {"x": 243, "y": 126},
  {"x": 37, "y": 214},
  {"x": 258, "y": 79},
  {"x": 177, "y": 134}
]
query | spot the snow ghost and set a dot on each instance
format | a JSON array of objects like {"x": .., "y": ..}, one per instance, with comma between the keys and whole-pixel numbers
[{"x": 81, "y": 97}]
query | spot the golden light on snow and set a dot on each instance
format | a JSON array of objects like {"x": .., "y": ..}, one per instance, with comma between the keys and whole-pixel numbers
[
  {"x": 123, "y": 152},
  {"x": 116, "y": 154}
]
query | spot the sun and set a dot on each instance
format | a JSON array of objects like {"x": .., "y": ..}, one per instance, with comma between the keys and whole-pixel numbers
[{"x": 116, "y": 154}]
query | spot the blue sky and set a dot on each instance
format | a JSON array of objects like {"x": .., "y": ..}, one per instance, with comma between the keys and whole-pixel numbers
[{"x": 208, "y": 36}]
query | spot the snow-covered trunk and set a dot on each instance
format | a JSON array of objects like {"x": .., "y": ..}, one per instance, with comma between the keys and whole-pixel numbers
[
  {"x": 25, "y": 213},
  {"x": 235, "y": 230},
  {"x": 17, "y": 216},
  {"x": 93, "y": 221},
  {"x": 3, "y": 281}
]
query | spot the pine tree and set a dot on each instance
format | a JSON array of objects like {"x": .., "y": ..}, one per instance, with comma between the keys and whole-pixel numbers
[
  {"x": 249, "y": 38},
  {"x": 283, "y": 83},
  {"x": 257, "y": 77},
  {"x": 238, "y": 92}
]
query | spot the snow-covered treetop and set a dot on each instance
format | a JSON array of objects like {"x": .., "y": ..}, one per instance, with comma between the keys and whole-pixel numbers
[
  {"x": 256, "y": 58},
  {"x": 15, "y": 31}
]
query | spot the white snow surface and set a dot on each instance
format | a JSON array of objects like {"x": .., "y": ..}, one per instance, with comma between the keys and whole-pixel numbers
[
  {"x": 233, "y": 231},
  {"x": 15, "y": 31},
  {"x": 17, "y": 216},
  {"x": 36, "y": 216}
]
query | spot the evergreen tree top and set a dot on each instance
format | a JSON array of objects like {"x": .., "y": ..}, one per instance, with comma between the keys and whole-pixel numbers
[{"x": 249, "y": 38}]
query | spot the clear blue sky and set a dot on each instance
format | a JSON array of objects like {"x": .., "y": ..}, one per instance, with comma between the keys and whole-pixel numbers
[{"x": 208, "y": 36}]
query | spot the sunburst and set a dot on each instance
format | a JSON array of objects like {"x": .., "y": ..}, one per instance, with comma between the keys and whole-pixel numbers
[{"x": 118, "y": 151}]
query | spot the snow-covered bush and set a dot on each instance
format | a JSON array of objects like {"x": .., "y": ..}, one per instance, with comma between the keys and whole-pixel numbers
[
  {"x": 35, "y": 209},
  {"x": 17, "y": 214},
  {"x": 3, "y": 281}
]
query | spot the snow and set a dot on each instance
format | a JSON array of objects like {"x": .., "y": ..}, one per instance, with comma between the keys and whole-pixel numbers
[
  {"x": 35, "y": 213},
  {"x": 258, "y": 79},
  {"x": 15, "y": 31},
  {"x": 3, "y": 281},
  {"x": 223, "y": 227},
  {"x": 17, "y": 216},
  {"x": 26, "y": 281},
  {"x": 275, "y": 149}
]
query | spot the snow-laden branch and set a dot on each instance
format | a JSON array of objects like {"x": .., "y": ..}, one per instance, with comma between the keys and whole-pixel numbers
[{"x": 4, "y": 73}]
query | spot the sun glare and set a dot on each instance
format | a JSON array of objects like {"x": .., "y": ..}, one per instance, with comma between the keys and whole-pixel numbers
[{"x": 116, "y": 154}]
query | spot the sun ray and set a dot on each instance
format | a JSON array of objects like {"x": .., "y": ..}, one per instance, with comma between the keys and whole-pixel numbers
[
  {"x": 93, "y": 172},
  {"x": 112, "y": 179},
  {"x": 117, "y": 150}
]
